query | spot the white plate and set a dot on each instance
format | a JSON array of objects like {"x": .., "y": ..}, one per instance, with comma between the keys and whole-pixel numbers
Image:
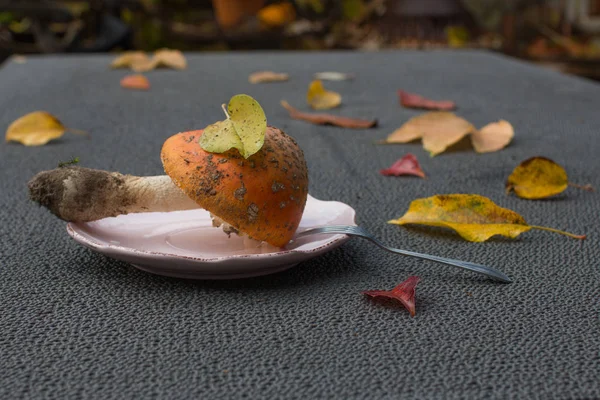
[{"x": 184, "y": 244}]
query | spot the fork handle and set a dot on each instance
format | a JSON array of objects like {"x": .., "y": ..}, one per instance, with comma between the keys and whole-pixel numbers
[{"x": 489, "y": 271}]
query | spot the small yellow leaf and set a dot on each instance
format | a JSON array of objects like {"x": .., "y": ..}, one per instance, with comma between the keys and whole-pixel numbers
[
  {"x": 244, "y": 128},
  {"x": 475, "y": 218},
  {"x": 35, "y": 129},
  {"x": 130, "y": 59},
  {"x": 537, "y": 178},
  {"x": 438, "y": 130},
  {"x": 492, "y": 137},
  {"x": 220, "y": 137},
  {"x": 267, "y": 76},
  {"x": 321, "y": 99}
]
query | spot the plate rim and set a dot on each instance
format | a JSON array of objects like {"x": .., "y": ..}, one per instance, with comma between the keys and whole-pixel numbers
[{"x": 111, "y": 249}]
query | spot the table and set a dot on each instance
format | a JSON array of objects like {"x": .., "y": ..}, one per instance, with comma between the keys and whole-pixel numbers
[{"x": 74, "y": 324}]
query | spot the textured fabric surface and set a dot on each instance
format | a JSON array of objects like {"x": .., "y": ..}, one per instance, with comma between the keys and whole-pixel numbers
[{"x": 74, "y": 324}]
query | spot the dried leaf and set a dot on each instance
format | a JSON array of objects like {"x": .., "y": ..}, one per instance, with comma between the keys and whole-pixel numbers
[
  {"x": 407, "y": 165},
  {"x": 438, "y": 130},
  {"x": 328, "y": 119},
  {"x": 162, "y": 58},
  {"x": 475, "y": 218},
  {"x": 539, "y": 178},
  {"x": 35, "y": 129},
  {"x": 321, "y": 99},
  {"x": 170, "y": 59},
  {"x": 130, "y": 59},
  {"x": 267, "y": 76},
  {"x": 333, "y": 76},
  {"x": 244, "y": 128},
  {"x": 411, "y": 100},
  {"x": 136, "y": 82},
  {"x": 492, "y": 137},
  {"x": 404, "y": 292}
]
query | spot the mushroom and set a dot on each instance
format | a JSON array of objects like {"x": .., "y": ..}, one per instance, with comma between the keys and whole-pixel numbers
[{"x": 262, "y": 196}]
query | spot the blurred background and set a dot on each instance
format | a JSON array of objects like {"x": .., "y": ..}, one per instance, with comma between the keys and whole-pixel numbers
[{"x": 560, "y": 34}]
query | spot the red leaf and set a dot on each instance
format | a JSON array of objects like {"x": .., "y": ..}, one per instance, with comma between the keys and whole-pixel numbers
[
  {"x": 407, "y": 165},
  {"x": 136, "y": 82},
  {"x": 411, "y": 100},
  {"x": 404, "y": 292},
  {"x": 329, "y": 119}
]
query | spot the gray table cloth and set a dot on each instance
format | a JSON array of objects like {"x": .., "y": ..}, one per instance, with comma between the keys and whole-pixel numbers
[{"x": 75, "y": 324}]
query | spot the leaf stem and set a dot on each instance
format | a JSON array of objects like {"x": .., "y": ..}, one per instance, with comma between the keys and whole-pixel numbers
[
  {"x": 587, "y": 187},
  {"x": 225, "y": 110},
  {"x": 543, "y": 228}
]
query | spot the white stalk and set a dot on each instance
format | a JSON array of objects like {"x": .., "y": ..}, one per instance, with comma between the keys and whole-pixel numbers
[{"x": 82, "y": 194}]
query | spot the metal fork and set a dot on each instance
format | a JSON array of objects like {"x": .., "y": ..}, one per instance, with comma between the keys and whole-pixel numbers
[{"x": 360, "y": 232}]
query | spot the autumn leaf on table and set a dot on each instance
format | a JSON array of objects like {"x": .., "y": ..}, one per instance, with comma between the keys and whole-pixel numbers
[
  {"x": 492, "y": 137},
  {"x": 539, "y": 178},
  {"x": 328, "y": 119},
  {"x": 333, "y": 76},
  {"x": 169, "y": 59},
  {"x": 411, "y": 100},
  {"x": 321, "y": 99},
  {"x": 267, "y": 77},
  {"x": 407, "y": 165},
  {"x": 136, "y": 82},
  {"x": 474, "y": 217},
  {"x": 37, "y": 129},
  {"x": 404, "y": 292},
  {"x": 130, "y": 59},
  {"x": 438, "y": 131},
  {"x": 138, "y": 61}
]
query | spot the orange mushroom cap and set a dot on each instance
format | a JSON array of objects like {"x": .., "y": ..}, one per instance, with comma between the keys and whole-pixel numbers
[{"x": 263, "y": 196}]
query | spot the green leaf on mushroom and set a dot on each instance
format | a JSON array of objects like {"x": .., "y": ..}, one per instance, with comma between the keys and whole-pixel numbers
[{"x": 243, "y": 129}]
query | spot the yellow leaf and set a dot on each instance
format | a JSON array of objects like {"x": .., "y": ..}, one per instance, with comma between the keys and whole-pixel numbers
[
  {"x": 438, "y": 130},
  {"x": 321, "y": 99},
  {"x": 267, "y": 76},
  {"x": 492, "y": 137},
  {"x": 475, "y": 218},
  {"x": 244, "y": 128},
  {"x": 130, "y": 59},
  {"x": 35, "y": 129},
  {"x": 537, "y": 178}
]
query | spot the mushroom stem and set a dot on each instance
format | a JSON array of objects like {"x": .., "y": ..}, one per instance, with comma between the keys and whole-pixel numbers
[{"x": 78, "y": 194}]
